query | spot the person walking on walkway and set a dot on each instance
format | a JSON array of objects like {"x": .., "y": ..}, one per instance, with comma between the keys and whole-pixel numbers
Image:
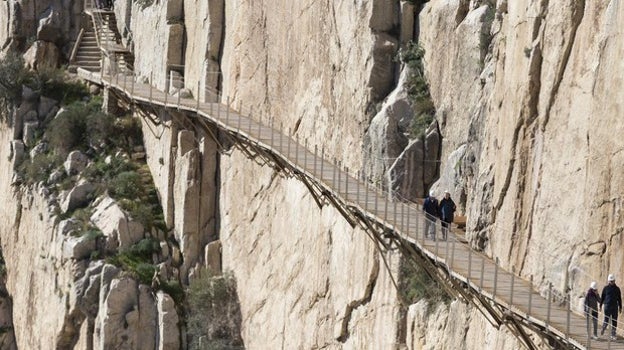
[
  {"x": 447, "y": 211},
  {"x": 430, "y": 207},
  {"x": 592, "y": 299},
  {"x": 612, "y": 299}
]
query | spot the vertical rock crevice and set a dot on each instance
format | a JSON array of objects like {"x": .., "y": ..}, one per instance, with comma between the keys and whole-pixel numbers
[{"x": 366, "y": 298}]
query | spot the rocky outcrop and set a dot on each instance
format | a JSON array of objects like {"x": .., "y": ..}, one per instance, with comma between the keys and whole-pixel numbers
[{"x": 118, "y": 229}]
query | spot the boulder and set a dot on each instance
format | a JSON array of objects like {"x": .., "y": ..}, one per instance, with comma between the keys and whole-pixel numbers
[
  {"x": 40, "y": 148},
  {"x": 56, "y": 176},
  {"x": 382, "y": 73},
  {"x": 168, "y": 332},
  {"x": 46, "y": 105},
  {"x": 119, "y": 230},
  {"x": 30, "y": 133},
  {"x": 17, "y": 152},
  {"x": 212, "y": 256},
  {"x": 42, "y": 55},
  {"x": 78, "y": 247},
  {"x": 30, "y": 116},
  {"x": 75, "y": 163},
  {"x": 78, "y": 196},
  {"x": 67, "y": 226},
  {"x": 432, "y": 153},
  {"x": 405, "y": 176}
]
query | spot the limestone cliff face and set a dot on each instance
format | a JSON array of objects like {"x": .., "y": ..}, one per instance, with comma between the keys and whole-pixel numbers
[
  {"x": 527, "y": 98},
  {"x": 532, "y": 90}
]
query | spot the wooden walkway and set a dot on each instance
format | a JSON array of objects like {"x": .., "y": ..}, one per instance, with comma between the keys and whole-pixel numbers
[
  {"x": 358, "y": 201},
  {"x": 503, "y": 297}
]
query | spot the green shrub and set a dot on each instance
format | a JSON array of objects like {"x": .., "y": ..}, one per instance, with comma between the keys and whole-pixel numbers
[
  {"x": 55, "y": 84},
  {"x": 127, "y": 185},
  {"x": 174, "y": 289},
  {"x": 12, "y": 76},
  {"x": 415, "y": 284},
  {"x": 39, "y": 169},
  {"x": 213, "y": 312},
  {"x": 137, "y": 259},
  {"x": 68, "y": 131},
  {"x": 418, "y": 89}
]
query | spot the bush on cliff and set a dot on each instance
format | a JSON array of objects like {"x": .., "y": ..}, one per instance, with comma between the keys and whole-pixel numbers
[
  {"x": 214, "y": 315},
  {"x": 418, "y": 88}
]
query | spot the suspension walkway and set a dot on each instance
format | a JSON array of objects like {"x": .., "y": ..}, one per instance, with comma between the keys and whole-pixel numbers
[{"x": 502, "y": 297}]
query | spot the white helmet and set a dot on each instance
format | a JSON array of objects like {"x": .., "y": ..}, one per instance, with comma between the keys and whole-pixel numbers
[
  {"x": 593, "y": 285},
  {"x": 611, "y": 278}
]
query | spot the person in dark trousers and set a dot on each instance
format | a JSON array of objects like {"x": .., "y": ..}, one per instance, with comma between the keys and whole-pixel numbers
[
  {"x": 592, "y": 299},
  {"x": 611, "y": 298},
  {"x": 447, "y": 211},
  {"x": 430, "y": 207}
]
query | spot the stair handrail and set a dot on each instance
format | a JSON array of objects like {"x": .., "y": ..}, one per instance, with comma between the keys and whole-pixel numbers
[{"x": 72, "y": 57}]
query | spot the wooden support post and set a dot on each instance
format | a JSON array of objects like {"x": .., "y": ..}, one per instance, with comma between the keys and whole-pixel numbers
[
  {"x": 530, "y": 296},
  {"x": 376, "y": 201},
  {"x": 272, "y": 133},
  {"x": 513, "y": 277},
  {"x": 240, "y": 118},
  {"x": 289, "y": 142},
  {"x": 151, "y": 84},
  {"x": 339, "y": 175},
  {"x": 437, "y": 240},
  {"x": 166, "y": 94},
  {"x": 568, "y": 317},
  {"x": 365, "y": 195},
  {"x": 408, "y": 223},
  {"x": 402, "y": 228},
  {"x": 496, "y": 262},
  {"x": 346, "y": 184},
  {"x": 227, "y": 111},
  {"x": 305, "y": 155},
  {"x": 322, "y": 161},
  {"x": 281, "y": 136},
  {"x": 385, "y": 218},
  {"x": 549, "y": 302},
  {"x": 452, "y": 252},
  {"x": 259, "y": 128},
  {"x": 197, "y": 98},
  {"x": 482, "y": 273},
  {"x": 394, "y": 224},
  {"x": 446, "y": 243},
  {"x": 469, "y": 264},
  {"x": 296, "y": 149},
  {"x": 250, "y": 119},
  {"x": 315, "y": 160}
]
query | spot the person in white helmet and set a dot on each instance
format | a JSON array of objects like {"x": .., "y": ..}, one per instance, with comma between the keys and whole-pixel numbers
[
  {"x": 611, "y": 298},
  {"x": 592, "y": 299}
]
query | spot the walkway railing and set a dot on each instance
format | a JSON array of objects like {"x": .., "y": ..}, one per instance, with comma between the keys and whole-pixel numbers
[{"x": 501, "y": 295}]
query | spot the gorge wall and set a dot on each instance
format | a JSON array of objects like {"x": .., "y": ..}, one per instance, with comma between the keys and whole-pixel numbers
[{"x": 527, "y": 104}]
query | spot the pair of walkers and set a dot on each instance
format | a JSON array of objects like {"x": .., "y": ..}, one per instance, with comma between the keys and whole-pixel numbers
[
  {"x": 444, "y": 210},
  {"x": 611, "y": 299}
]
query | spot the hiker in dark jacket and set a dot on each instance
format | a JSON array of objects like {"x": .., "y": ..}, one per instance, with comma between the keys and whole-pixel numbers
[
  {"x": 592, "y": 299},
  {"x": 447, "y": 211},
  {"x": 430, "y": 207},
  {"x": 612, "y": 301}
]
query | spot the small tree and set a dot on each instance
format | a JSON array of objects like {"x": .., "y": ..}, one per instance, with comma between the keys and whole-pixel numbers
[{"x": 214, "y": 315}]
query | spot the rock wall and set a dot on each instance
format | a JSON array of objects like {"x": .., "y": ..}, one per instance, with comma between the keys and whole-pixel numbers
[{"x": 538, "y": 112}]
